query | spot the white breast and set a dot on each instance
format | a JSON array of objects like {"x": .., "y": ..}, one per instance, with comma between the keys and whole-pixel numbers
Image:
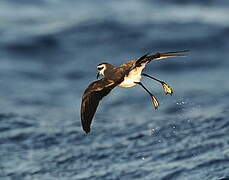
[{"x": 133, "y": 76}]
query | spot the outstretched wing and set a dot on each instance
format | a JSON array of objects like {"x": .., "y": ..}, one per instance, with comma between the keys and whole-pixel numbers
[
  {"x": 147, "y": 58},
  {"x": 91, "y": 98}
]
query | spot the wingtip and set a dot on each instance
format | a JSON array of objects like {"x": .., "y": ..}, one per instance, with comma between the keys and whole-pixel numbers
[
  {"x": 180, "y": 51},
  {"x": 174, "y": 54},
  {"x": 86, "y": 130}
]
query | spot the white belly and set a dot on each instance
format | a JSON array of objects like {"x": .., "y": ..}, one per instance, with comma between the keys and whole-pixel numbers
[{"x": 133, "y": 76}]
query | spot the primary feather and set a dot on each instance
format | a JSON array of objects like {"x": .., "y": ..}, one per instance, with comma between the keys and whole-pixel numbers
[{"x": 91, "y": 98}]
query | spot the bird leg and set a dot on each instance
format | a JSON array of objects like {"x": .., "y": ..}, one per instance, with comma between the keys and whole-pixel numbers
[
  {"x": 166, "y": 87},
  {"x": 153, "y": 98}
]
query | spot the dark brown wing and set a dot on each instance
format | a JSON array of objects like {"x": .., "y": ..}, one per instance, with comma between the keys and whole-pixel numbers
[
  {"x": 91, "y": 98},
  {"x": 147, "y": 58}
]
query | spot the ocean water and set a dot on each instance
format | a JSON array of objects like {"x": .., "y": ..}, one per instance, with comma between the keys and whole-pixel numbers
[{"x": 49, "y": 50}]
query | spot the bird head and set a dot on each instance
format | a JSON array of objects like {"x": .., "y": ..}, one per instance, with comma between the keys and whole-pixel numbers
[{"x": 101, "y": 68}]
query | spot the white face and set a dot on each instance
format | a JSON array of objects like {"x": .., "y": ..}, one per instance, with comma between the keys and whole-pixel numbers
[{"x": 101, "y": 68}]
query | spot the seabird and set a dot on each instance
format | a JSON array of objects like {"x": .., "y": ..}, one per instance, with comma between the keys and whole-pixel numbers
[{"x": 126, "y": 75}]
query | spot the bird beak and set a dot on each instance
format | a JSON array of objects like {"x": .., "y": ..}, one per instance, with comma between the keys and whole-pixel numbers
[{"x": 97, "y": 75}]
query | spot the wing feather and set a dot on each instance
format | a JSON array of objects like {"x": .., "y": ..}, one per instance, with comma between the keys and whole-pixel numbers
[
  {"x": 147, "y": 58},
  {"x": 91, "y": 98}
]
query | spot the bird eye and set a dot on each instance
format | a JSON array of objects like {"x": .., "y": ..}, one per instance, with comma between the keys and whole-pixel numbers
[{"x": 100, "y": 68}]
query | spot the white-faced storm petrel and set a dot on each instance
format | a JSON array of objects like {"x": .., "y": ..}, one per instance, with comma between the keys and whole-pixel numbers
[{"x": 126, "y": 75}]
